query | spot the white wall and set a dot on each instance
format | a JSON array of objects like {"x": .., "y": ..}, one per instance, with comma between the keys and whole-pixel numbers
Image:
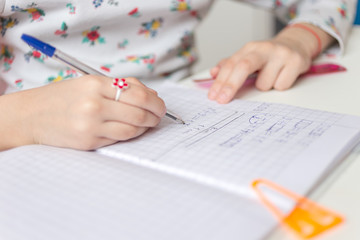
[{"x": 228, "y": 26}]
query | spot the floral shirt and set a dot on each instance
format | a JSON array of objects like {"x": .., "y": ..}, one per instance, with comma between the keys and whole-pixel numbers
[{"x": 143, "y": 39}]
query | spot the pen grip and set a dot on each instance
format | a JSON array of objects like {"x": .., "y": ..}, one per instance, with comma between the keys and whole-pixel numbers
[
  {"x": 87, "y": 70},
  {"x": 75, "y": 64}
]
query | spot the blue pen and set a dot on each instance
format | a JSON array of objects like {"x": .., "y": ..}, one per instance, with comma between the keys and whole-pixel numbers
[{"x": 52, "y": 52}]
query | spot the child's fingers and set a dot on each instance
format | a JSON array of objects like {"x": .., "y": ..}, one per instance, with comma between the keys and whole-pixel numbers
[
  {"x": 106, "y": 81},
  {"x": 145, "y": 99},
  {"x": 214, "y": 71},
  {"x": 287, "y": 77},
  {"x": 293, "y": 67},
  {"x": 137, "y": 95},
  {"x": 229, "y": 88},
  {"x": 118, "y": 131},
  {"x": 138, "y": 82},
  {"x": 220, "y": 80},
  {"x": 232, "y": 75},
  {"x": 129, "y": 114},
  {"x": 268, "y": 75},
  {"x": 94, "y": 144},
  {"x": 88, "y": 143},
  {"x": 134, "y": 81}
]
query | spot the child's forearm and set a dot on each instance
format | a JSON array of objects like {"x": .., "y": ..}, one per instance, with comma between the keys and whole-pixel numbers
[
  {"x": 14, "y": 126},
  {"x": 311, "y": 38}
]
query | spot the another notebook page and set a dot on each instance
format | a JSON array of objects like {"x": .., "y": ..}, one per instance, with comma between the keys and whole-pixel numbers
[{"x": 228, "y": 146}]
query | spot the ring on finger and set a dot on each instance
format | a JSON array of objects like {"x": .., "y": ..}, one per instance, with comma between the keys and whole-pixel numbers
[{"x": 120, "y": 85}]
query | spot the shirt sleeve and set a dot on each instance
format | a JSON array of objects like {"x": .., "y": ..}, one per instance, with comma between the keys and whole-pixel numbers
[{"x": 333, "y": 16}]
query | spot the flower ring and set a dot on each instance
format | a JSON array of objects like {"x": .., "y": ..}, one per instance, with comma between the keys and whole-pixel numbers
[{"x": 120, "y": 84}]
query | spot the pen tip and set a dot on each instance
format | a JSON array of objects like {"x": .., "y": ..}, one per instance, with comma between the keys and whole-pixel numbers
[{"x": 180, "y": 121}]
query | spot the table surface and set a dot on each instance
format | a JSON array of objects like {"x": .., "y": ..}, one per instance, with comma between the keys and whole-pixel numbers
[{"x": 335, "y": 92}]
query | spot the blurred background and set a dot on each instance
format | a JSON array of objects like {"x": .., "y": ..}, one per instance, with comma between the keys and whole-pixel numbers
[
  {"x": 227, "y": 27},
  {"x": 231, "y": 24}
]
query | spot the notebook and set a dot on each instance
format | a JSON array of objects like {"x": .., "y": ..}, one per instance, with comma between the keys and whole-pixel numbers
[{"x": 176, "y": 181}]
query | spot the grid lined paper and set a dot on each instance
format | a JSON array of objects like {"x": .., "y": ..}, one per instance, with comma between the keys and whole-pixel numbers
[
  {"x": 231, "y": 145},
  {"x": 53, "y": 193}
]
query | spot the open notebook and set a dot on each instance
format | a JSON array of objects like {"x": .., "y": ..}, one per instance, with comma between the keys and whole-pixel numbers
[{"x": 176, "y": 181}]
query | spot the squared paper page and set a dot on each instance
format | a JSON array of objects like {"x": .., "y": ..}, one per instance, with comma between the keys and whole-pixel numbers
[
  {"x": 228, "y": 146},
  {"x": 53, "y": 193}
]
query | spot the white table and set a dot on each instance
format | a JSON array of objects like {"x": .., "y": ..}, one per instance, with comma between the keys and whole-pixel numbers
[{"x": 337, "y": 92}]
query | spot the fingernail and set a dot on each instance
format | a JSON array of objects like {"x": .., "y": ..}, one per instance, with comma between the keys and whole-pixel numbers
[
  {"x": 212, "y": 94},
  {"x": 214, "y": 68},
  {"x": 214, "y": 71},
  {"x": 223, "y": 97}
]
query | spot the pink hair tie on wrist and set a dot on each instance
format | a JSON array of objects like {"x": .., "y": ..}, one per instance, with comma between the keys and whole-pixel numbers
[
  {"x": 120, "y": 84},
  {"x": 299, "y": 25}
]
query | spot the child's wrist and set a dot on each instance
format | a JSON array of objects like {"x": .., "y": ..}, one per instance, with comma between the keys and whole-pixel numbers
[
  {"x": 310, "y": 31},
  {"x": 300, "y": 39}
]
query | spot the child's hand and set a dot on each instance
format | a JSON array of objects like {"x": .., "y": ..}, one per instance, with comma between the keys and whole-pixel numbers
[
  {"x": 81, "y": 113},
  {"x": 279, "y": 61},
  {"x": 279, "y": 64}
]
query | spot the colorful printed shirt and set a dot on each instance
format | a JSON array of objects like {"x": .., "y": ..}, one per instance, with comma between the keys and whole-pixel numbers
[{"x": 143, "y": 39}]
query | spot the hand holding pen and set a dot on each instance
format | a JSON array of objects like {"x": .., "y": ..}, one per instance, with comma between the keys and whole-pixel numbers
[
  {"x": 81, "y": 67},
  {"x": 81, "y": 112}
]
